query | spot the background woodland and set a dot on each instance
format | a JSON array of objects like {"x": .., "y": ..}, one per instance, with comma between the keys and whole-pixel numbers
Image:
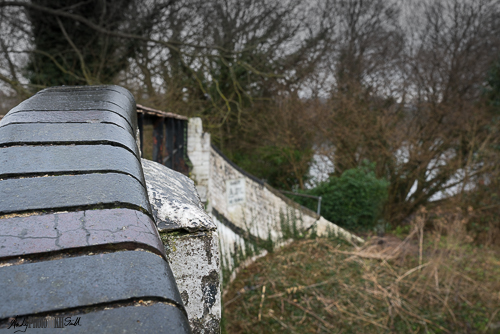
[{"x": 402, "y": 98}]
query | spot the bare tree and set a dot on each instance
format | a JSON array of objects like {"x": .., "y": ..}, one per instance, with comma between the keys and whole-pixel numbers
[
  {"x": 14, "y": 41},
  {"x": 428, "y": 135}
]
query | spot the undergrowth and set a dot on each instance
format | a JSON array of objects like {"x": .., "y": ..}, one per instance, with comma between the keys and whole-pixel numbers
[{"x": 432, "y": 282}]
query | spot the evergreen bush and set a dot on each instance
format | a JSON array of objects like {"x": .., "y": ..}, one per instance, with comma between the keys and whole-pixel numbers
[{"x": 354, "y": 200}]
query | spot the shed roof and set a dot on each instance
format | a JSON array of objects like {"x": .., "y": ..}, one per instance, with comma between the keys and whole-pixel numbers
[{"x": 150, "y": 111}]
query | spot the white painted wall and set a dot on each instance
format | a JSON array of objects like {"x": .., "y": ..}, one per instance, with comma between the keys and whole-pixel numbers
[
  {"x": 260, "y": 211},
  {"x": 198, "y": 152}
]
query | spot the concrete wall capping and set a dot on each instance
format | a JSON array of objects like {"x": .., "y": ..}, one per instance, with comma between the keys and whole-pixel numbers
[{"x": 174, "y": 200}]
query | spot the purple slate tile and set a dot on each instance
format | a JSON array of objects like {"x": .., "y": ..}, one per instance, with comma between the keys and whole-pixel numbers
[
  {"x": 69, "y": 230},
  {"x": 26, "y": 245}
]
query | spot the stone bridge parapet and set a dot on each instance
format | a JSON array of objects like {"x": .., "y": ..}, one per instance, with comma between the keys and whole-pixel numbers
[{"x": 80, "y": 215}]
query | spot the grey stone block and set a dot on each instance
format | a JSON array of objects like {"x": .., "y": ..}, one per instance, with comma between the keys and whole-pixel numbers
[
  {"x": 174, "y": 200},
  {"x": 194, "y": 260},
  {"x": 193, "y": 256}
]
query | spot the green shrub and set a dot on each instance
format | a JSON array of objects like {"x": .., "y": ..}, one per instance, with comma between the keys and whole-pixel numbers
[{"x": 354, "y": 200}]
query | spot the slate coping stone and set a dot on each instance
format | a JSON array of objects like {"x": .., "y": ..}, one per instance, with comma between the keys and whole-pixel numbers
[
  {"x": 30, "y": 160},
  {"x": 85, "y": 281},
  {"x": 70, "y": 191},
  {"x": 155, "y": 318},
  {"x": 73, "y": 106},
  {"x": 69, "y": 116},
  {"x": 113, "y": 98},
  {"x": 60, "y": 134},
  {"x": 118, "y": 228},
  {"x": 89, "y": 89}
]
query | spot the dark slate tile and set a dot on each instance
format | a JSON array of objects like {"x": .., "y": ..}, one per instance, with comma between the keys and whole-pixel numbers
[
  {"x": 28, "y": 160},
  {"x": 76, "y": 101},
  {"x": 70, "y": 104},
  {"x": 111, "y": 95},
  {"x": 80, "y": 134},
  {"x": 155, "y": 318},
  {"x": 66, "y": 97},
  {"x": 86, "y": 116},
  {"x": 69, "y": 230},
  {"x": 112, "y": 98},
  {"x": 84, "y": 281},
  {"x": 90, "y": 89},
  {"x": 69, "y": 191}
]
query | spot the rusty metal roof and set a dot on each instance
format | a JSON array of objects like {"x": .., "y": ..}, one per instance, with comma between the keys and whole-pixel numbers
[{"x": 155, "y": 112}]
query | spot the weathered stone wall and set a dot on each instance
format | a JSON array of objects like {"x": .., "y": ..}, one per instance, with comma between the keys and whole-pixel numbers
[
  {"x": 198, "y": 152},
  {"x": 191, "y": 244},
  {"x": 262, "y": 211}
]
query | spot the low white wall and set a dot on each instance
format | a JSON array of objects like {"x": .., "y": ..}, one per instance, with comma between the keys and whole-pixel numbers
[
  {"x": 246, "y": 210},
  {"x": 198, "y": 146},
  {"x": 261, "y": 210}
]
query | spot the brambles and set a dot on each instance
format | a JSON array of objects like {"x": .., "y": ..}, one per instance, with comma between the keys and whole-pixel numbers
[{"x": 378, "y": 288}]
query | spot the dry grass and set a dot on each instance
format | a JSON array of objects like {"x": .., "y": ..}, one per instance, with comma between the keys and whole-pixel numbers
[{"x": 436, "y": 282}]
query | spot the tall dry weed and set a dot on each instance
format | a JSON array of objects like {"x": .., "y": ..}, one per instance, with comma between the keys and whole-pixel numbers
[{"x": 435, "y": 280}]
